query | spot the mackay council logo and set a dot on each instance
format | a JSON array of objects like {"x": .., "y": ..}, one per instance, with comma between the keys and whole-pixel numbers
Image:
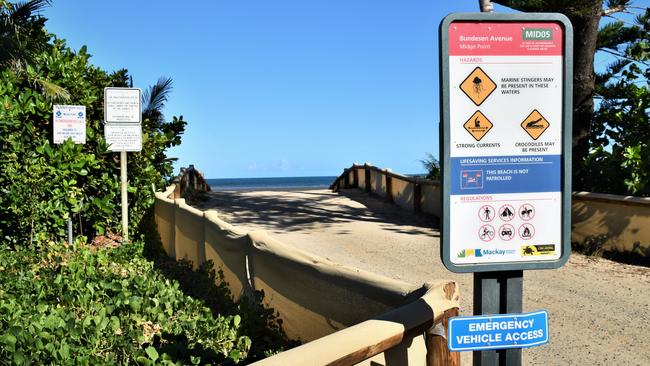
[{"x": 466, "y": 253}]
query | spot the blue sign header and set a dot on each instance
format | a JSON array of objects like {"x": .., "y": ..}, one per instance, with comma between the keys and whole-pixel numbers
[
  {"x": 505, "y": 174},
  {"x": 498, "y": 331}
]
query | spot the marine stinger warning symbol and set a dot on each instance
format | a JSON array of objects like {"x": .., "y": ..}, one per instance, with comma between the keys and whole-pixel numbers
[
  {"x": 478, "y": 125},
  {"x": 478, "y": 86},
  {"x": 535, "y": 124}
]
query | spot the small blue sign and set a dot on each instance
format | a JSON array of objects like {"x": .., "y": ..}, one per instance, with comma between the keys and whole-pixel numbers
[{"x": 498, "y": 331}]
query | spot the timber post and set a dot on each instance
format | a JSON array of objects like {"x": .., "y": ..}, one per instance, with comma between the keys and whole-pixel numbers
[
  {"x": 438, "y": 354},
  {"x": 417, "y": 197},
  {"x": 389, "y": 186},
  {"x": 366, "y": 169}
]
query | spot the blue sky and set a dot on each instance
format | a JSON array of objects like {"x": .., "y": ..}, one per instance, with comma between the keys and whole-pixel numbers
[{"x": 279, "y": 88}]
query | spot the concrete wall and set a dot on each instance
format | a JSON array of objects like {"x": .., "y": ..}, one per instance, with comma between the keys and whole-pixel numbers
[
  {"x": 362, "y": 178},
  {"x": 403, "y": 193},
  {"x": 189, "y": 242},
  {"x": 604, "y": 221},
  {"x": 378, "y": 183},
  {"x": 314, "y": 297},
  {"x": 430, "y": 201},
  {"x": 403, "y": 188},
  {"x": 617, "y": 223},
  {"x": 164, "y": 215}
]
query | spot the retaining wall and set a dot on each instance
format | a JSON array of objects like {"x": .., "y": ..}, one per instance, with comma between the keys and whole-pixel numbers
[
  {"x": 603, "y": 222},
  {"x": 417, "y": 194},
  {"x": 313, "y": 296},
  {"x": 616, "y": 223}
]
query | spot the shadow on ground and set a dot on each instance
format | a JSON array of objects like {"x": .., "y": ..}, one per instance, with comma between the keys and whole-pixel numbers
[{"x": 307, "y": 210}]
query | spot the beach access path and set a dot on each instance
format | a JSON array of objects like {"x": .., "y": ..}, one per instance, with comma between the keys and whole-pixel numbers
[{"x": 599, "y": 310}]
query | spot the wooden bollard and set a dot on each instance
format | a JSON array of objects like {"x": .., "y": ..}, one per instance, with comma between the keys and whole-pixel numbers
[
  {"x": 417, "y": 197},
  {"x": 389, "y": 187},
  {"x": 368, "y": 183},
  {"x": 438, "y": 354}
]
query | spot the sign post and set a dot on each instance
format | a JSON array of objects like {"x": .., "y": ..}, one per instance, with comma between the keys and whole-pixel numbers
[
  {"x": 123, "y": 132},
  {"x": 69, "y": 122},
  {"x": 506, "y": 94}
]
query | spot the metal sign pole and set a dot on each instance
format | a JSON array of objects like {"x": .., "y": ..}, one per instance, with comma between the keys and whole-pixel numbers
[
  {"x": 498, "y": 293},
  {"x": 123, "y": 132},
  {"x": 70, "y": 241},
  {"x": 125, "y": 207}
]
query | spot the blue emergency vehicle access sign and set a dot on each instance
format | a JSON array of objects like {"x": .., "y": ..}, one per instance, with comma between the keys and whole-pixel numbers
[{"x": 498, "y": 331}]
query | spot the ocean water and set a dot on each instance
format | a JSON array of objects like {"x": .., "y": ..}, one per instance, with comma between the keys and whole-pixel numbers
[{"x": 260, "y": 184}]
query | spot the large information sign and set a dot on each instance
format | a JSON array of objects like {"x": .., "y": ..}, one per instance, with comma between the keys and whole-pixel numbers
[{"x": 506, "y": 141}]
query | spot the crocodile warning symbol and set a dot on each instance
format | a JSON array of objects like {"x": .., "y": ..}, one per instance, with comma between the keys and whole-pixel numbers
[
  {"x": 478, "y": 86},
  {"x": 478, "y": 125},
  {"x": 535, "y": 124}
]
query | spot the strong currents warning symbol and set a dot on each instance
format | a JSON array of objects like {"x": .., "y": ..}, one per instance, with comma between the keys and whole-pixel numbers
[
  {"x": 478, "y": 125},
  {"x": 478, "y": 86}
]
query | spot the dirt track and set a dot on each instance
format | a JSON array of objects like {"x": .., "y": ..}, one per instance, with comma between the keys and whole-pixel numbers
[{"x": 599, "y": 310}]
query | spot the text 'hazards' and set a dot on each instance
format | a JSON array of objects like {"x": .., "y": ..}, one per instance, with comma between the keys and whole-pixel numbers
[
  {"x": 478, "y": 125},
  {"x": 478, "y": 86},
  {"x": 535, "y": 124}
]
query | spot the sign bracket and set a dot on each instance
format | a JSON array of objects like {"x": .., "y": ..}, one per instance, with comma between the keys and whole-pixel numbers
[{"x": 498, "y": 293}]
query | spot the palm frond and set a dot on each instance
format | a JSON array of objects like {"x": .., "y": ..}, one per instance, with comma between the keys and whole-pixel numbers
[
  {"x": 53, "y": 91},
  {"x": 155, "y": 97},
  {"x": 24, "y": 10}
]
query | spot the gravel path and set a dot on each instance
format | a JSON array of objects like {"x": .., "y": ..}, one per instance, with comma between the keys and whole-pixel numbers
[{"x": 599, "y": 310}]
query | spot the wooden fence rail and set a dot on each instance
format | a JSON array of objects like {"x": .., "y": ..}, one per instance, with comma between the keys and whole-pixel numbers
[{"x": 414, "y": 193}]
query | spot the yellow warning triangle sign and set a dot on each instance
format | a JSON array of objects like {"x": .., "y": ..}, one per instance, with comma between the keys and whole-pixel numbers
[
  {"x": 535, "y": 124},
  {"x": 478, "y": 125},
  {"x": 478, "y": 86}
]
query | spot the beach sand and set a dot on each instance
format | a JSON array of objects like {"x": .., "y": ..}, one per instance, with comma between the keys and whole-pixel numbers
[{"x": 599, "y": 310}]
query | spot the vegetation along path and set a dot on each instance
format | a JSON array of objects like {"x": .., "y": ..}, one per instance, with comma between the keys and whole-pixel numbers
[{"x": 598, "y": 309}]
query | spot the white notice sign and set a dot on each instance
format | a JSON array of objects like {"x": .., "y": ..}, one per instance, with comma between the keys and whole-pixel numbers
[
  {"x": 69, "y": 121},
  {"x": 123, "y": 137},
  {"x": 122, "y": 105}
]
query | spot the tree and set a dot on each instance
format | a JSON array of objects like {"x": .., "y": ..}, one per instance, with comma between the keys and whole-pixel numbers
[
  {"x": 432, "y": 165},
  {"x": 619, "y": 160},
  {"x": 486, "y": 6},
  {"x": 153, "y": 102},
  {"x": 585, "y": 16},
  {"x": 22, "y": 32},
  {"x": 42, "y": 185}
]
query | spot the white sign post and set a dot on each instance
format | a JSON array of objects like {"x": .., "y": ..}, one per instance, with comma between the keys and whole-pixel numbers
[
  {"x": 123, "y": 132},
  {"x": 69, "y": 121}
]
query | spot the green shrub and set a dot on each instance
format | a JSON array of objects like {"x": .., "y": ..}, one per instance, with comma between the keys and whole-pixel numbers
[
  {"x": 260, "y": 323},
  {"x": 43, "y": 184},
  {"x": 83, "y": 305}
]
